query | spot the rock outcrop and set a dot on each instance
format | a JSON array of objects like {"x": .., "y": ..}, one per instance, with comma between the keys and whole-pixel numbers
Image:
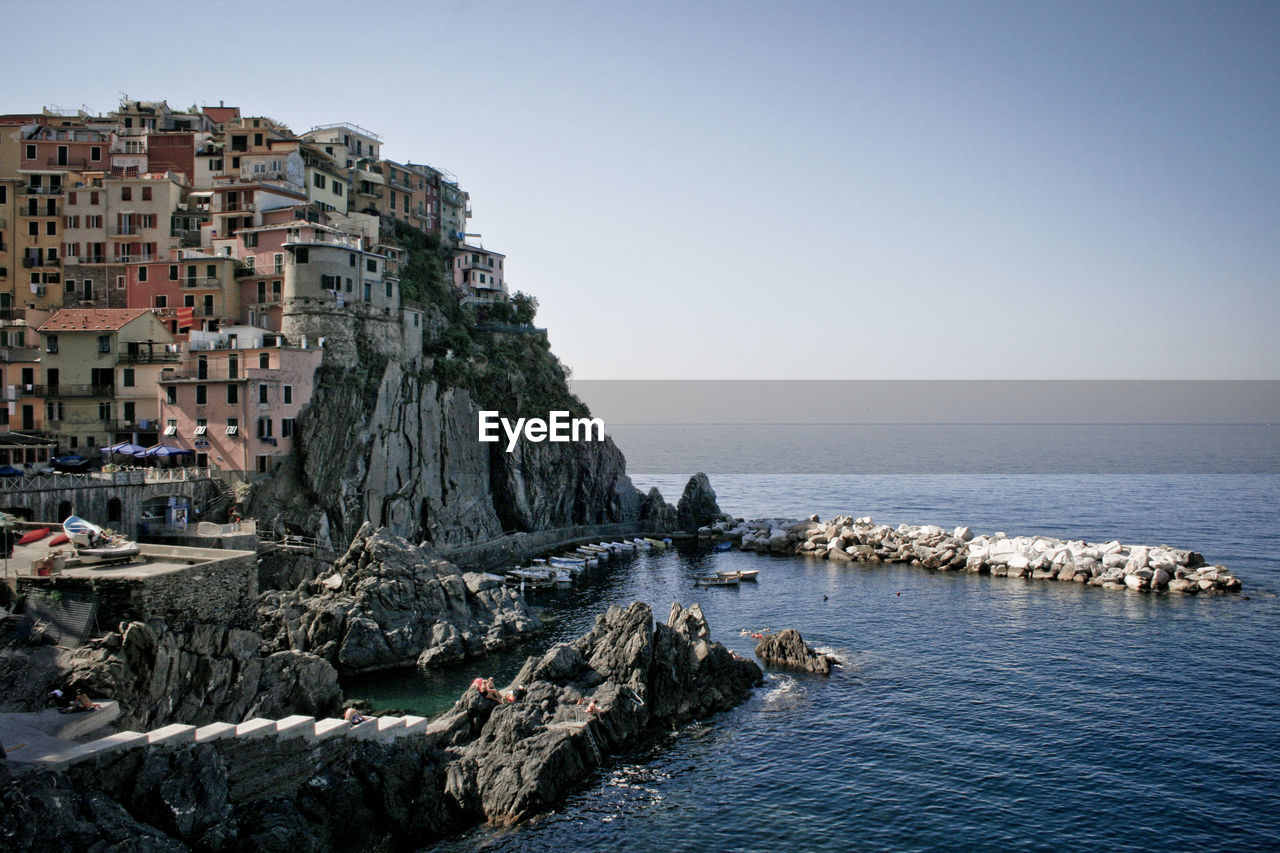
[
  {"x": 697, "y": 506},
  {"x": 198, "y": 675},
  {"x": 388, "y": 603},
  {"x": 658, "y": 515},
  {"x": 481, "y": 761},
  {"x": 788, "y": 648}
]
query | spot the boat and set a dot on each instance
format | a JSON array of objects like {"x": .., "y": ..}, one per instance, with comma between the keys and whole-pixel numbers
[
  {"x": 744, "y": 575},
  {"x": 599, "y": 550},
  {"x": 721, "y": 547},
  {"x": 623, "y": 546},
  {"x": 92, "y": 544},
  {"x": 656, "y": 544},
  {"x": 538, "y": 577},
  {"x": 715, "y": 580},
  {"x": 641, "y": 544}
]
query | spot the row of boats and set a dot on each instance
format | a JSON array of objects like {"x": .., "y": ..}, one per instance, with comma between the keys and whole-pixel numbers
[{"x": 561, "y": 569}]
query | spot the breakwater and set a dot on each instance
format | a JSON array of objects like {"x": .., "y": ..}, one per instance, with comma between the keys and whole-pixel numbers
[{"x": 1110, "y": 565}]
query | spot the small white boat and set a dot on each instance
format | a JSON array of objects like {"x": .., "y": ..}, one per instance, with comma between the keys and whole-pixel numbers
[
  {"x": 715, "y": 580},
  {"x": 623, "y": 546},
  {"x": 745, "y": 575},
  {"x": 641, "y": 545},
  {"x": 92, "y": 544},
  {"x": 656, "y": 544}
]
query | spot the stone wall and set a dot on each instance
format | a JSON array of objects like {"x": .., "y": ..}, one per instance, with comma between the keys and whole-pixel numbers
[
  {"x": 91, "y": 498},
  {"x": 222, "y": 589}
]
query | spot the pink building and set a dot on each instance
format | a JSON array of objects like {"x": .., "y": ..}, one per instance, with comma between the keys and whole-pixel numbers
[{"x": 236, "y": 398}]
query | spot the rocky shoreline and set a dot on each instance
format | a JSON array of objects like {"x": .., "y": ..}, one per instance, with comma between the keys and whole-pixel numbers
[
  {"x": 482, "y": 761},
  {"x": 1110, "y": 565}
]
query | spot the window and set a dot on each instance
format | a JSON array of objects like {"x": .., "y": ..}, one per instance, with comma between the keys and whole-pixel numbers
[
  {"x": 93, "y": 221},
  {"x": 233, "y": 426},
  {"x": 50, "y": 343},
  {"x": 202, "y": 426},
  {"x": 104, "y": 411},
  {"x": 278, "y": 261},
  {"x": 288, "y": 395},
  {"x": 337, "y": 188},
  {"x": 142, "y": 273},
  {"x": 130, "y": 412},
  {"x": 233, "y": 394},
  {"x": 287, "y": 427},
  {"x": 388, "y": 288},
  {"x": 302, "y": 256},
  {"x": 318, "y": 180},
  {"x": 146, "y": 193},
  {"x": 352, "y": 258},
  {"x": 264, "y": 427},
  {"x": 171, "y": 395},
  {"x": 202, "y": 395},
  {"x": 371, "y": 265},
  {"x": 171, "y": 426},
  {"x": 93, "y": 198},
  {"x": 173, "y": 272},
  {"x": 250, "y": 239},
  {"x": 51, "y": 227},
  {"x": 126, "y": 193},
  {"x": 262, "y": 393},
  {"x": 31, "y": 152},
  {"x": 161, "y": 301},
  {"x": 264, "y": 464},
  {"x": 71, "y": 198},
  {"x": 127, "y": 377},
  {"x": 69, "y": 286},
  {"x": 33, "y": 229},
  {"x": 257, "y": 139},
  {"x": 264, "y": 360},
  {"x": 95, "y": 154}
]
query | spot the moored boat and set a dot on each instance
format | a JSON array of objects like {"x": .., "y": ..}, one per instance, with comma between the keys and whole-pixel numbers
[
  {"x": 92, "y": 544},
  {"x": 715, "y": 580},
  {"x": 656, "y": 544},
  {"x": 721, "y": 547},
  {"x": 744, "y": 575}
]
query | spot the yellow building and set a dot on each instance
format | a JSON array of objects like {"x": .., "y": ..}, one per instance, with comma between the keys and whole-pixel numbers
[{"x": 100, "y": 368}]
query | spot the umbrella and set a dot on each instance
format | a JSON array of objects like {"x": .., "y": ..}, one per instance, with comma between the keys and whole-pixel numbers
[
  {"x": 163, "y": 450},
  {"x": 125, "y": 447}
]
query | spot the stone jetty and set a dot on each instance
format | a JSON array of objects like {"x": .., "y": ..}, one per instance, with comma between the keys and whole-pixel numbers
[{"x": 1110, "y": 565}]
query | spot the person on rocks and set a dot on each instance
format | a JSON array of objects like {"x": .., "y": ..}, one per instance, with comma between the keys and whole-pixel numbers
[
  {"x": 354, "y": 717},
  {"x": 81, "y": 703},
  {"x": 515, "y": 695},
  {"x": 488, "y": 690}
]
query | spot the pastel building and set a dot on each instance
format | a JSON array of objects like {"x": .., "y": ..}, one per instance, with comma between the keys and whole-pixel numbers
[
  {"x": 99, "y": 369},
  {"x": 235, "y": 399},
  {"x": 478, "y": 275}
]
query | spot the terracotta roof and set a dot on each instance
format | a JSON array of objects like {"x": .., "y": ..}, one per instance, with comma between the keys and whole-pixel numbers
[
  {"x": 222, "y": 114},
  {"x": 91, "y": 319}
]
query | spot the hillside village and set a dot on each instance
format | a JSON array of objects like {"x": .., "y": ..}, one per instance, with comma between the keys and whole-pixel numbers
[{"x": 169, "y": 279}]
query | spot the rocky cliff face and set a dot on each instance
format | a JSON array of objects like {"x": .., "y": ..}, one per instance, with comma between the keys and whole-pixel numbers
[
  {"x": 382, "y": 443},
  {"x": 388, "y": 603}
]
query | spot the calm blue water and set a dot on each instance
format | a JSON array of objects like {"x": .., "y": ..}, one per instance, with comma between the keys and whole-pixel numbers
[{"x": 972, "y": 712}]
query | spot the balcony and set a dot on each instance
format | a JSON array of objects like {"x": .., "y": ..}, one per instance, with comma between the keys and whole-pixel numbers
[
  {"x": 204, "y": 282},
  {"x": 48, "y": 391},
  {"x": 9, "y": 355},
  {"x": 129, "y": 230},
  {"x": 69, "y": 162},
  {"x": 148, "y": 356},
  {"x": 133, "y": 259},
  {"x": 24, "y": 189}
]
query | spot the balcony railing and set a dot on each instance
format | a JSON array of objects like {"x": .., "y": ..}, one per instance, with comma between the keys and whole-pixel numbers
[
  {"x": 61, "y": 390},
  {"x": 69, "y": 162},
  {"x": 26, "y": 189},
  {"x": 128, "y": 230},
  {"x": 204, "y": 281},
  {"x": 133, "y": 259},
  {"x": 148, "y": 357},
  {"x": 45, "y": 482}
]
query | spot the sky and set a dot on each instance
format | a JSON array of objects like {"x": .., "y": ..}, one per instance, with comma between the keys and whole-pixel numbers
[{"x": 770, "y": 190}]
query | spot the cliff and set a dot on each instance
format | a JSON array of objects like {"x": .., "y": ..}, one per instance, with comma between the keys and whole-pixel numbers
[{"x": 391, "y": 434}]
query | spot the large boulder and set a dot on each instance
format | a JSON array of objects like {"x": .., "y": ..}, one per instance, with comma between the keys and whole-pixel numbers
[
  {"x": 697, "y": 505},
  {"x": 788, "y": 648}
]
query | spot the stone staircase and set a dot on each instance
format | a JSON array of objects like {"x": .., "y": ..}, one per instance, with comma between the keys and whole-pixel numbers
[{"x": 310, "y": 729}]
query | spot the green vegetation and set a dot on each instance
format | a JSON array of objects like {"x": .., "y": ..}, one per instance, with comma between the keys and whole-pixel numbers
[{"x": 492, "y": 351}]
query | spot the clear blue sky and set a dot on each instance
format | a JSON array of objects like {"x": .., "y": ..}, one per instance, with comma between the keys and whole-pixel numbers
[{"x": 782, "y": 190}]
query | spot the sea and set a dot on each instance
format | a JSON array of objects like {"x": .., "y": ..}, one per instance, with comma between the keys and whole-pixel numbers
[{"x": 970, "y": 712}]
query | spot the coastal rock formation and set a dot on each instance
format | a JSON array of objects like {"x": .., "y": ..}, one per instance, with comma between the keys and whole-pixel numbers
[
  {"x": 697, "y": 506},
  {"x": 198, "y": 675},
  {"x": 788, "y": 648},
  {"x": 381, "y": 444},
  {"x": 480, "y": 761},
  {"x": 388, "y": 603},
  {"x": 1110, "y": 565},
  {"x": 658, "y": 515}
]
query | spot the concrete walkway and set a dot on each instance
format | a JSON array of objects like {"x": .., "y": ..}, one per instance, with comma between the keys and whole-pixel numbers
[{"x": 26, "y": 737}]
